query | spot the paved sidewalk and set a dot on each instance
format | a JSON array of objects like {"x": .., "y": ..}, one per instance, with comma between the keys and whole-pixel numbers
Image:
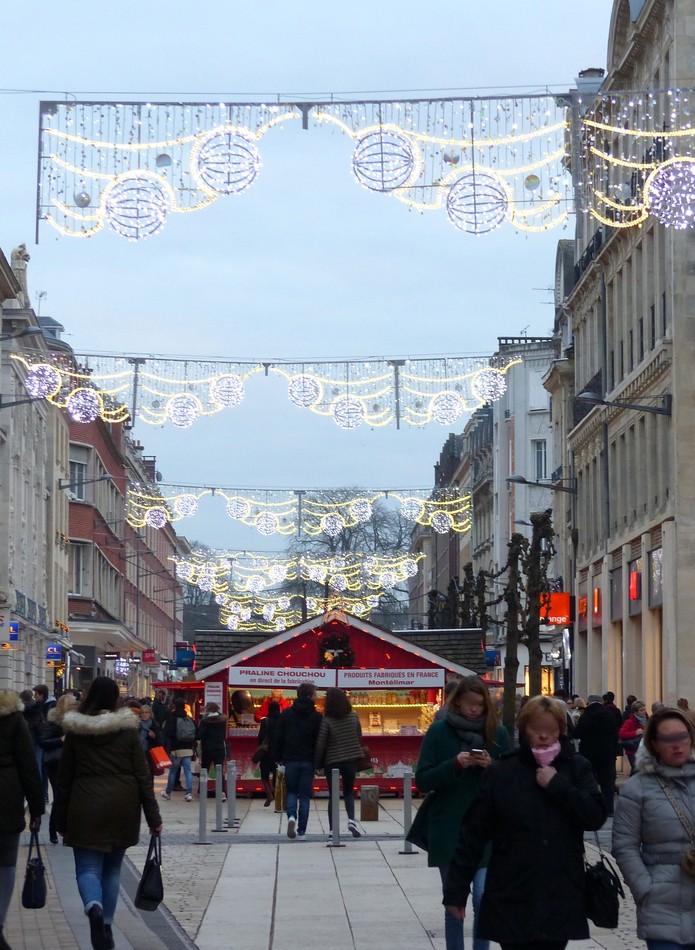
[{"x": 252, "y": 887}]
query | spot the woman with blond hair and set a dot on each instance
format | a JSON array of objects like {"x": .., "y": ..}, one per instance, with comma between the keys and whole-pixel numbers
[
  {"x": 533, "y": 809},
  {"x": 455, "y": 754}
]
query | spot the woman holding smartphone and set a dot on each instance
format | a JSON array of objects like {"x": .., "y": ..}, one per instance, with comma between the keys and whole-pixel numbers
[{"x": 455, "y": 753}]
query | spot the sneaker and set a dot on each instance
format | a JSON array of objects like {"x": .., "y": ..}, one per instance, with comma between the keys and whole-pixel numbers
[
  {"x": 166, "y": 796},
  {"x": 353, "y": 829},
  {"x": 291, "y": 827},
  {"x": 301, "y": 837},
  {"x": 188, "y": 798}
]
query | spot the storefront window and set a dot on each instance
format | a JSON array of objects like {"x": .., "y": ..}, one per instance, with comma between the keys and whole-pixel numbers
[
  {"x": 617, "y": 594},
  {"x": 582, "y": 607},
  {"x": 635, "y": 586},
  {"x": 656, "y": 589}
]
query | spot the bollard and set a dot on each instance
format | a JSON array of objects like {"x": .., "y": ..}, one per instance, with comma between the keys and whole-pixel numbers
[
  {"x": 231, "y": 794},
  {"x": 334, "y": 779},
  {"x": 218, "y": 800},
  {"x": 407, "y": 810},
  {"x": 202, "y": 808},
  {"x": 369, "y": 803}
]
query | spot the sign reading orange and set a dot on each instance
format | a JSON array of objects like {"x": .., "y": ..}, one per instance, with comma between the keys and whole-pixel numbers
[{"x": 555, "y": 609}]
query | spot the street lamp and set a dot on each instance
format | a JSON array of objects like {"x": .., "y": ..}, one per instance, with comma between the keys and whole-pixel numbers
[
  {"x": 19, "y": 402},
  {"x": 548, "y": 483},
  {"x": 664, "y": 409},
  {"x": 25, "y": 331},
  {"x": 66, "y": 483}
]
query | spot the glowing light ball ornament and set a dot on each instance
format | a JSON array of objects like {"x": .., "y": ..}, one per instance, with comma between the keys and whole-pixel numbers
[
  {"x": 489, "y": 385},
  {"x": 238, "y": 508},
  {"x": 268, "y": 612},
  {"x": 348, "y": 412},
  {"x": 277, "y": 573},
  {"x": 183, "y": 410},
  {"x": 245, "y": 613},
  {"x": 441, "y": 522},
  {"x": 372, "y": 601},
  {"x": 221, "y": 599},
  {"x": 284, "y": 603},
  {"x": 184, "y": 571},
  {"x": 206, "y": 582},
  {"x": 42, "y": 381},
  {"x": 157, "y": 517},
  {"x": 225, "y": 161},
  {"x": 384, "y": 160},
  {"x": 255, "y": 584},
  {"x": 361, "y": 510},
  {"x": 136, "y": 205},
  {"x": 186, "y": 505},
  {"x": 358, "y": 609},
  {"x": 84, "y": 405},
  {"x": 332, "y": 525},
  {"x": 304, "y": 391},
  {"x": 311, "y": 603},
  {"x": 317, "y": 574},
  {"x": 235, "y": 607},
  {"x": 412, "y": 509},
  {"x": 387, "y": 579},
  {"x": 410, "y": 567},
  {"x": 670, "y": 193},
  {"x": 339, "y": 581},
  {"x": 227, "y": 391},
  {"x": 445, "y": 408},
  {"x": 281, "y": 625},
  {"x": 266, "y": 524},
  {"x": 477, "y": 203},
  {"x": 232, "y": 623},
  {"x": 531, "y": 182}
]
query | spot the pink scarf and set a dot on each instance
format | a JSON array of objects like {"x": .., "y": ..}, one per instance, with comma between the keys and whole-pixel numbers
[{"x": 544, "y": 757}]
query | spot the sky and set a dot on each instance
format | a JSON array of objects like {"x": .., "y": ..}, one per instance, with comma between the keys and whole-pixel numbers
[{"x": 305, "y": 264}]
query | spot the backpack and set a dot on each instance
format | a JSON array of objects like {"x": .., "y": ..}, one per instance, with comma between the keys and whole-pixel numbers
[{"x": 185, "y": 729}]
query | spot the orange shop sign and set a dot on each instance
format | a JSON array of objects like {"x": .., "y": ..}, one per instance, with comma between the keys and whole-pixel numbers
[{"x": 556, "y": 609}]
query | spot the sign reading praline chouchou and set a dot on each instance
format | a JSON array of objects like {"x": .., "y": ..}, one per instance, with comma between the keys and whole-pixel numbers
[
  {"x": 393, "y": 679},
  {"x": 252, "y": 676}
]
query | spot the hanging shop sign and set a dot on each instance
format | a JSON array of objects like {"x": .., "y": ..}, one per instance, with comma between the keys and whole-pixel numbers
[
  {"x": 214, "y": 692},
  {"x": 149, "y": 657},
  {"x": 393, "y": 679},
  {"x": 557, "y": 610},
  {"x": 251, "y": 676},
  {"x": 54, "y": 651}
]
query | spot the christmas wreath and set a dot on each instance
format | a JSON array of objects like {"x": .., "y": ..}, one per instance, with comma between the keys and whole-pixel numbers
[{"x": 335, "y": 650}]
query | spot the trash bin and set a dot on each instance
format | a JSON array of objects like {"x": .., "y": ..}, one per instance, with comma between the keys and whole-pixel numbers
[{"x": 369, "y": 803}]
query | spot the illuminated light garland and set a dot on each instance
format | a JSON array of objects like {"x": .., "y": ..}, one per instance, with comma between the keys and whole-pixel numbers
[
  {"x": 670, "y": 193},
  {"x": 225, "y": 160},
  {"x": 478, "y": 203},
  {"x": 332, "y": 525},
  {"x": 445, "y": 408},
  {"x": 267, "y": 524},
  {"x": 84, "y": 405},
  {"x": 385, "y": 159},
  {"x": 157, "y": 517},
  {"x": 489, "y": 385},
  {"x": 42, "y": 381},
  {"x": 136, "y": 205}
]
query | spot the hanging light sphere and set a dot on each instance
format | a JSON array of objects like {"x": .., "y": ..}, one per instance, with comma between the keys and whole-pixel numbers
[
  {"x": 255, "y": 584},
  {"x": 227, "y": 391},
  {"x": 136, "y": 205},
  {"x": 221, "y": 599},
  {"x": 337, "y": 563},
  {"x": 412, "y": 509},
  {"x": 284, "y": 603},
  {"x": 42, "y": 381},
  {"x": 186, "y": 505},
  {"x": 84, "y": 405},
  {"x": 384, "y": 160},
  {"x": 235, "y": 607},
  {"x": 311, "y": 603},
  {"x": 441, "y": 522},
  {"x": 477, "y": 203},
  {"x": 531, "y": 182},
  {"x": 245, "y": 613},
  {"x": 317, "y": 574},
  {"x": 206, "y": 582},
  {"x": 339, "y": 581},
  {"x": 238, "y": 508},
  {"x": 489, "y": 385},
  {"x": 445, "y": 408},
  {"x": 232, "y": 622},
  {"x": 163, "y": 160},
  {"x": 361, "y": 510},
  {"x": 358, "y": 609},
  {"x": 225, "y": 161},
  {"x": 268, "y": 612},
  {"x": 184, "y": 571},
  {"x": 387, "y": 579},
  {"x": 304, "y": 391},
  {"x": 410, "y": 567},
  {"x": 372, "y": 601},
  {"x": 157, "y": 517},
  {"x": 183, "y": 410},
  {"x": 83, "y": 199},
  {"x": 277, "y": 573},
  {"x": 670, "y": 193},
  {"x": 348, "y": 412},
  {"x": 266, "y": 524},
  {"x": 332, "y": 525},
  {"x": 281, "y": 625}
]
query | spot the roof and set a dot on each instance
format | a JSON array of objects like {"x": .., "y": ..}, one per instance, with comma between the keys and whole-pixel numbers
[{"x": 462, "y": 647}]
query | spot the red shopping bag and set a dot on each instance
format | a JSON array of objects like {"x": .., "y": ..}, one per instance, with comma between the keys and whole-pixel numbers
[{"x": 160, "y": 760}]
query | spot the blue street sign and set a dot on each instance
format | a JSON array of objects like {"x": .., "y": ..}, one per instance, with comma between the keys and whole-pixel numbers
[{"x": 14, "y": 630}]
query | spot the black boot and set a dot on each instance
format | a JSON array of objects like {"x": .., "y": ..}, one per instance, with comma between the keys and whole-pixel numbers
[
  {"x": 4, "y": 945},
  {"x": 96, "y": 927},
  {"x": 110, "y": 945}
]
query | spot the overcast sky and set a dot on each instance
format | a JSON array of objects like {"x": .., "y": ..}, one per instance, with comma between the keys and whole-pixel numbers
[{"x": 306, "y": 263}]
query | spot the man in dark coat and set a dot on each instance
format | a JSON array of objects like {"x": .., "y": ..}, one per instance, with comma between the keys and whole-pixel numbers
[
  {"x": 295, "y": 744},
  {"x": 597, "y": 731},
  {"x": 160, "y": 707}
]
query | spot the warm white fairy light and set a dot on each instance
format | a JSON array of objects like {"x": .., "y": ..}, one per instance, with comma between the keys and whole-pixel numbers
[
  {"x": 84, "y": 405},
  {"x": 42, "y": 381}
]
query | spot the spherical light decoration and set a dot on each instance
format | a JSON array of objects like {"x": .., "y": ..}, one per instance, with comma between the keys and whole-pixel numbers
[
  {"x": 42, "y": 381},
  {"x": 225, "y": 161},
  {"x": 410, "y": 567},
  {"x": 412, "y": 509},
  {"x": 255, "y": 583},
  {"x": 235, "y": 607},
  {"x": 358, "y": 609},
  {"x": 477, "y": 203},
  {"x": 445, "y": 408},
  {"x": 83, "y": 199},
  {"x": 384, "y": 160},
  {"x": 184, "y": 571},
  {"x": 531, "y": 182},
  {"x": 670, "y": 193},
  {"x": 206, "y": 582},
  {"x": 221, "y": 599},
  {"x": 186, "y": 505},
  {"x": 245, "y": 613},
  {"x": 311, "y": 603},
  {"x": 84, "y": 405},
  {"x": 156, "y": 517},
  {"x": 339, "y": 581},
  {"x": 337, "y": 563},
  {"x": 266, "y": 524},
  {"x": 387, "y": 579},
  {"x": 489, "y": 385},
  {"x": 233, "y": 623},
  {"x": 332, "y": 525},
  {"x": 369, "y": 564},
  {"x": 136, "y": 205},
  {"x": 361, "y": 510},
  {"x": 441, "y": 522},
  {"x": 277, "y": 573},
  {"x": 183, "y": 410},
  {"x": 348, "y": 412},
  {"x": 304, "y": 391},
  {"x": 227, "y": 391},
  {"x": 268, "y": 612},
  {"x": 317, "y": 574},
  {"x": 284, "y": 603},
  {"x": 238, "y": 508},
  {"x": 163, "y": 160},
  {"x": 281, "y": 625},
  {"x": 372, "y": 601}
]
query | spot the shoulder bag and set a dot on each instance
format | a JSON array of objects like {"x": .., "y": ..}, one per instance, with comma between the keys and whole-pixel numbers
[
  {"x": 34, "y": 890},
  {"x": 688, "y": 857},
  {"x": 150, "y": 892},
  {"x": 418, "y": 833},
  {"x": 603, "y": 890}
]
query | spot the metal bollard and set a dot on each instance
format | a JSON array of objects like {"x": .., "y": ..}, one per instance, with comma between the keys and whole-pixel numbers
[
  {"x": 202, "y": 808},
  {"x": 407, "y": 810},
  {"x": 231, "y": 794},
  {"x": 219, "y": 827},
  {"x": 335, "y": 809}
]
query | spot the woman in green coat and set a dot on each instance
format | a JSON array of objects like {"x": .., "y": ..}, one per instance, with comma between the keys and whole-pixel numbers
[{"x": 454, "y": 753}]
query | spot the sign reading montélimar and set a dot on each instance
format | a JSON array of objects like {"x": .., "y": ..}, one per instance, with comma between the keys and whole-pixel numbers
[
  {"x": 258, "y": 676},
  {"x": 390, "y": 679}
]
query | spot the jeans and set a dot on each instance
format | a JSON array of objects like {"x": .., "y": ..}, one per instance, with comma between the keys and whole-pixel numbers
[
  {"x": 668, "y": 945},
  {"x": 453, "y": 928},
  {"x": 185, "y": 763},
  {"x": 9, "y": 847},
  {"x": 299, "y": 777},
  {"x": 98, "y": 876},
  {"x": 347, "y": 776}
]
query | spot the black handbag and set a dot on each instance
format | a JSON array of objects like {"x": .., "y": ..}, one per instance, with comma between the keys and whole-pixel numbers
[
  {"x": 419, "y": 830},
  {"x": 150, "y": 892},
  {"x": 34, "y": 890},
  {"x": 603, "y": 891}
]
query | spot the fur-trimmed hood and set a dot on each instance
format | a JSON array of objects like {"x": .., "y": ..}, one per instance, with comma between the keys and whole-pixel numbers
[
  {"x": 105, "y": 723},
  {"x": 648, "y": 764},
  {"x": 10, "y": 702}
]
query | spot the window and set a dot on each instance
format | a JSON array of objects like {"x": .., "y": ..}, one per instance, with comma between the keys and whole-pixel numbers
[
  {"x": 652, "y": 326},
  {"x": 540, "y": 467},
  {"x": 79, "y": 467},
  {"x": 78, "y": 562},
  {"x": 641, "y": 339}
]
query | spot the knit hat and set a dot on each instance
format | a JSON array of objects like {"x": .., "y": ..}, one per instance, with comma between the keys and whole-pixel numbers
[{"x": 594, "y": 699}]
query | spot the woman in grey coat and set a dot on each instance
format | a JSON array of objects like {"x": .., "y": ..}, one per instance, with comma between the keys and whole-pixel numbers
[{"x": 649, "y": 839}]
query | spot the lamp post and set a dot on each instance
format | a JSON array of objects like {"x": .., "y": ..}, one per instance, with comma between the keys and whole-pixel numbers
[
  {"x": 662, "y": 408},
  {"x": 551, "y": 485}
]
